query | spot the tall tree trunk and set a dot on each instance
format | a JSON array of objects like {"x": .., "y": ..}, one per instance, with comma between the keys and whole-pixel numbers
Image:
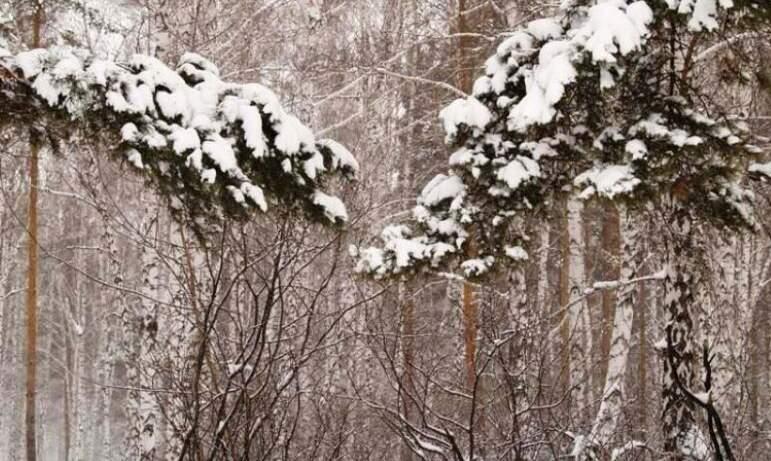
[
  {"x": 32, "y": 322},
  {"x": 574, "y": 323},
  {"x": 610, "y": 271},
  {"x": 563, "y": 297},
  {"x": 143, "y": 327},
  {"x": 107, "y": 356},
  {"x": 681, "y": 434},
  {"x": 470, "y": 314},
  {"x": 408, "y": 361},
  {"x": 642, "y": 360},
  {"x": 580, "y": 357},
  {"x": 67, "y": 412},
  {"x": 614, "y": 395},
  {"x": 32, "y": 271}
]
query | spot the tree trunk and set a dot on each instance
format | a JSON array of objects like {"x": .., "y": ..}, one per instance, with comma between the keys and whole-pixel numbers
[
  {"x": 143, "y": 327},
  {"x": 408, "y": 362},
  {"x": 470, "y": 315},
  {"x": 642, "y": 361},
  {"x": 564, "y": 295},
  {"x": 32, "y": 271},
  {"x": 610, "y": 271},
  {"x": 575, "y": 322},
  {"x": 681, "y": 279},
  {"x": 32, "y": 322},
  {"x": 580, "y": 346},
  {"x": 614, "y": 395}
]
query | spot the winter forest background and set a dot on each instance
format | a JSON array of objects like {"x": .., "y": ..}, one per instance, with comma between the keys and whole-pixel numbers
[{"x": 188, "y": 271}]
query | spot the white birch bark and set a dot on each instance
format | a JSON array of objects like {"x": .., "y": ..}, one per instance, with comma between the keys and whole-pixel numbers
[
  {"x": 614, "y": 392},
  {"x": 580, "y": 323},
  {"x": 143, "y": 325}
]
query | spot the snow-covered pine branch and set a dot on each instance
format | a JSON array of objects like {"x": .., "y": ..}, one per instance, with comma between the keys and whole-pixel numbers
[
  {"x": 578, "y": 103},
  {"x": 211, "y": 147}
]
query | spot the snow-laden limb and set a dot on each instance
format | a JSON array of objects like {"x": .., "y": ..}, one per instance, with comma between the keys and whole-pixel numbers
[
  {"x": 215, "y": 147},
  {"x": 552, "y": 114}
]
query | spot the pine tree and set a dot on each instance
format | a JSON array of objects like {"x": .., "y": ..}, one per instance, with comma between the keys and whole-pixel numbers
[{"x": 600, "y": 101}]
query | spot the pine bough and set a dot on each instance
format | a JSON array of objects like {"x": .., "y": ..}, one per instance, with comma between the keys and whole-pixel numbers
[{"x": 213, "y": 148}]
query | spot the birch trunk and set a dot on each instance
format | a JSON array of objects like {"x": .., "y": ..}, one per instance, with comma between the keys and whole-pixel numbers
[
  {"x": 142, "y": 435},
  {"x": 611, "y": 246},
  {"x": 113, "y": 303},
  {"x": 614, "y": 394},
  {"x": 579, "y": 323}
]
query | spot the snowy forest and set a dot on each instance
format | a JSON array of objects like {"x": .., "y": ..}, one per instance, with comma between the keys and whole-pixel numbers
[{"x": 409, "y": 230}]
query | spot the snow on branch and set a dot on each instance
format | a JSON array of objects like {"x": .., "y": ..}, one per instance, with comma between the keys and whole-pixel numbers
[
  {"x": 529, "y": 133},
  {"x": 212, "y": 147}
]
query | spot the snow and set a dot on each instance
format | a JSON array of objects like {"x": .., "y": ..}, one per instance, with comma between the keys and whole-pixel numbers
[
  {"x": 403, "y": 248},
  {"x": 703, "y": 14},
  {"x": 761, "y": 168},
  {"x": 461, "y": 157},
  {"x": 333, "y": 207},
  {"x": 199, "y": 63},
  {"x": 369, "y": 260},
  {"x": 129, "y": 132},
  {"x": 518, "y": 171},
  {"x": 637, "y": 149},
  {"x": 31, "y": 62},
  {"x": 44, "y": 86},
  {"x": 477, "y": 266},
  {"x": 342, "y": 159},
  {"x": 236, "y": 193},
  {"x": 469, "y": 112},
  {"x": 209, "y": 175},
  {"x": 292, "y": 135},
  {"x": 135, "y": 158},
  {"x": 517, "y": 253},
  {"x": 237, "y": 110},
  {"x": 580, "y": 444},
  {"x": 538, "y": 150},
  {"x": 195, "y": 160},
  {"x": 654, "y": 127},
  {"x": 191, "y": 110},
  {"x": 610, "y": 29},
  {"x": 313, "y": 165},
  {"x": 257, "y": 196},
  {"x": 608, "y": 181},
  {"x": 544, "y": 29},
  {"x": 545, "y": 86},
  {"x": 172, "y": 106},
  {"x": 441, "y": 188},
  {"x": 519, "y": 44},
  {"x": 184, "y": 139},
  {"x": 220, "y": 152}
]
